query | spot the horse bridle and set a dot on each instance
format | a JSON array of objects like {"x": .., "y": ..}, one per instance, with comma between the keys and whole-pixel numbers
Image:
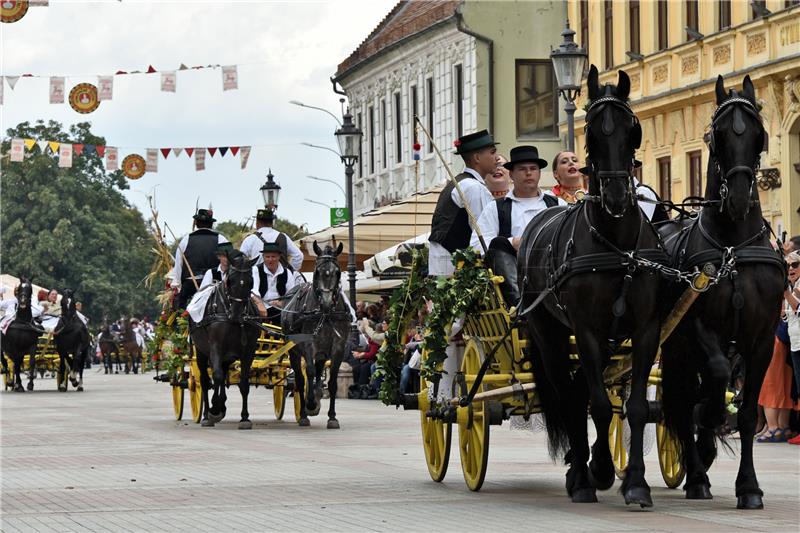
[
  {"x": 604, "y": 175},
  {"x": 335, "y": 290},
  {"x": 241, "y": 282},
  {"x": 722, "y": 110}
]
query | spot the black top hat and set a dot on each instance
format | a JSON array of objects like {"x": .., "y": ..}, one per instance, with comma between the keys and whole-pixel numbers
[
  {"x": 525, "y": 154},
  {"x": 474, "y": 141},
  {"x": 224, "y": 248},
  {"x": 273, "y": 247},
  {"x": 265, "y": 215},
  {"x": 204, "y": 215}
]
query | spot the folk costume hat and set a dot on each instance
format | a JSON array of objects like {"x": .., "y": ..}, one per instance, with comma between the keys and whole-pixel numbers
[
  {"x": 204, "y": 215},
  {"x": 265, "y": 215},
  {"x": 474, "y": 141},
  {"x": 271, "y": 247},
  {"x": 525, "y": 154},
  {"x": 224, "y": 248}
]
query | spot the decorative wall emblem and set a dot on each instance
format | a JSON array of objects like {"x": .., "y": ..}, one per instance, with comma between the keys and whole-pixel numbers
[
  {"x": 790, "y": 33},
  {"x": 636, "y": 82},
  {"x": 756, "y": 44},
  {"x": 689, "y": 65},
  {"x": 660, "y": 73},
  {"x": 722, "y": 54}
]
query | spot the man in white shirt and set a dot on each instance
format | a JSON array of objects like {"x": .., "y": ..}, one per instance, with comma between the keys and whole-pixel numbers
[
  {"x": 508, "y": 217},
  {"x": 272, "y": 281},
  {"x": 265, "y": 233}
]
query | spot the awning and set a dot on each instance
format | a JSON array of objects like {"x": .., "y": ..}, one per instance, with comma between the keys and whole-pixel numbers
[{"x": 381, "y": 228}]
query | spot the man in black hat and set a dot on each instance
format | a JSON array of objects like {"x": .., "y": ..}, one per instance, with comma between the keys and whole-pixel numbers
[
  {"x": 509, "y": 216},
  {"x": 273, "y": 281},
  {"x": 292, "y": 257},
  {"x": 450, "y": 225},
  {"x": 198, "y": 249}
]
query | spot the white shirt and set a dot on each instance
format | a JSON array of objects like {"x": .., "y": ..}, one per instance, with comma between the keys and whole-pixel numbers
[
  {"x": 252, "y": 247},
  {"x": 793, "y": 323},
  {"x": 177, "y": 270},
  {"x": 208, "y": 277},
  {"x": 272, "y": 283},
  {"x": 522, "y": 211},
  {"x": 9, "y": 307},
  {"x": 647, "y": 192},
  {"x": 478, "y": 197}
]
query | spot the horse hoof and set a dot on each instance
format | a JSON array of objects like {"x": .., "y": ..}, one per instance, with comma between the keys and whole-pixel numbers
[
  {"x": 206, "y": 423},
  {"x": 698, "y": 492},
  {"x": 640, "y": 495},
  {"x": 601, "y": 480},
  {"x": 62, "y": 388},
  {"x": 304, "y": 422},
  {"x": 749, "y": 501},
  {"x": 584, "y": 495},
  {"x": 333, "y": 424},
  {"x": 215, "y": 418},
  {"x": 80, "y": 388},
  {"x": 116, "y": 372},
  {"x": 19, "y": 388},
  {"x": 30, "y": 385},
  {"x": 245, "y": 424}
]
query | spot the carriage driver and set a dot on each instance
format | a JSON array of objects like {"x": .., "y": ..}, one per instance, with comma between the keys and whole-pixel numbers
[
  {"x": 272, "y": 281},
  {"x": 450, "y": 226},
  {"x": 265, "y": 233}
]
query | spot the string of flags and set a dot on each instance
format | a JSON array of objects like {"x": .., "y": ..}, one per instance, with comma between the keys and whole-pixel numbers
[{"x": 134, "y": 165}]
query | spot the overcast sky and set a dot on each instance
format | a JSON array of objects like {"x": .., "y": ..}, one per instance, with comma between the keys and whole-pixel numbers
[{"x": 287, "y": 50}]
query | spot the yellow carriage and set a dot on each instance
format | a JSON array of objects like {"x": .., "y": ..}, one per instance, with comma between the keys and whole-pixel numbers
[{"x": 47, "y": 360}]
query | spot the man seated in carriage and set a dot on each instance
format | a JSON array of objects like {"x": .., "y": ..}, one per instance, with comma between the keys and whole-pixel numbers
[{"x": 272, "y": 281}]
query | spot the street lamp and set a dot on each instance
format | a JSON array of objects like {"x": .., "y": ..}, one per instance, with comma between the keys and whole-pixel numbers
[
  {"x": 318, "y": 203},
  {"x": 329, "y": 181},
  {"x": 301, "y": 104},
  {"x": 569, "y": 62},
  {"x": 270, "y": 192},
  {"x": 323, "y": 148},
  {"x": 349, "y": 139}
]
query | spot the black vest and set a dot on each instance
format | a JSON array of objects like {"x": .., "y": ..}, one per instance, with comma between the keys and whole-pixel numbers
[
  {"x": 281, "y": 242},
  {"x": 263, "y": 281},
  {"x": 200, "y": 253},
  {"x": 450, "y": 223},
  {"x": 216, "y": 275},
  {"x": 504, "y": 213}
]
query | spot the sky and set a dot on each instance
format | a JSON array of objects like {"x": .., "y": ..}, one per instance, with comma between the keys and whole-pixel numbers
[{"x": 286, "y": 50}]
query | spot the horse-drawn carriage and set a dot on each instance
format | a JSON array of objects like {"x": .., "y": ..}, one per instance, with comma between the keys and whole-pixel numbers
[{"x": 47, "y": 360}]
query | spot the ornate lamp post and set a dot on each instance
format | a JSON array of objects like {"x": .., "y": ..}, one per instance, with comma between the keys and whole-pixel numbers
[
  {"x": 270, "y": 191},
  {"x": 569, "y": 62},
  {"x": 349, "y": 138}
]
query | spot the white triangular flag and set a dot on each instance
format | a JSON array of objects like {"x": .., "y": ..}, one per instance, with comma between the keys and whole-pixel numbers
[
  {"x": 105, "y": 87},
  {"x": 168, "y": 81},
  {"x": 12, "y": 81},
  {"x": 56, "y": 90},
  {"x": 112, "y": 158},
  {"x": 230, "y": 78},
  {"x": 42, "y": 146},
  {"x": 177, "y": 151},
  {"x": 152, "y": 160},
  {"x": 17, "y": 150},
  {"x": 200, "y": 159},
  {"x": 65, "y": 155},
  {"x": 245, "y": 155}
]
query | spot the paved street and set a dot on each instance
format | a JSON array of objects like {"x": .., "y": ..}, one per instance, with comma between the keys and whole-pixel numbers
[{"x": 113, "y": 459}]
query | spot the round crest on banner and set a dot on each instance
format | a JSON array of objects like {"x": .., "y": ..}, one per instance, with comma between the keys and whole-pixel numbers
[
  {"x": 12, "y": 10},
  {"x": 133, "y": 166},
  {"x": 83, "y": 97}
]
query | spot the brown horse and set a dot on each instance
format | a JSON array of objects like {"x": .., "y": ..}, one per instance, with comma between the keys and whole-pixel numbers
[
  {"x": 130, "y": 347},
  {"x": 109, "y": 348}
]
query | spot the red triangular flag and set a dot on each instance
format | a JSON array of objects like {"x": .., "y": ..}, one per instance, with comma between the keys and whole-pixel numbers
[
  {"x": 27, "y": 75},
  {"x": 150, "y": 69},
  {"x": 165, "y": 152},
  {"x": 234, "y": 150},
  {"x": 223, "y": 150},
  {"x": 189, "y": 151},
  {"x": 212, "y": 151},
  {"x": 120, "y": 72},
  {"x": 101, "y": 150},
  {"x": 77, "y": 149}
]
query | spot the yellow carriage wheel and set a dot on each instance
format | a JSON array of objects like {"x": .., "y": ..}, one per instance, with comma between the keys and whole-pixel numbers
[
  {"x": 195, "y": 393},
  {"x": 297, "y": 396},
  {"x": 8, "y": 375},
  {"x": 668, "y": 454},
  {"x": 177, "y": 401},
  {"x": 279, "y": 400},
  {"x": 616, "y": 442},
  {"x": 473, "y": 429},
  {"x": 436, "y": 438}
]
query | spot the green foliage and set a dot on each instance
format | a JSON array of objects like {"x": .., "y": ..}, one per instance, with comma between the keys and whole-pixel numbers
[
  {"x": 292, "y": 230},
  {"x": 72, "y": 227},
  {"x": 170, "y": 343},
  {"x": 234, "y": 231}
]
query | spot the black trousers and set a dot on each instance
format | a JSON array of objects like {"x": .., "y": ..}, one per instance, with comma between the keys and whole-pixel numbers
[
  {"x": 187, "y": 291},
  {"x": 361, "y": 371}
]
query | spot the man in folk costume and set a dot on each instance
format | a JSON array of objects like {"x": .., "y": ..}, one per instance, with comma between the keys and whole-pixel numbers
[
  {"x": 451, "y": 230},
  {"x": 198, "y": 249},
  {"x": 265, "y": 233},
  {"x": 272, "y": 281}
]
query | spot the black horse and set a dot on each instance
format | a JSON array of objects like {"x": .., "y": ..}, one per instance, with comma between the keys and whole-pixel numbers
[
  {"x": 225, "y": 336},
  {"x": 738, "y": 313},
  {"x": 317, "y": 309},
  {"x": 71, "y": 338},
  {"x": 21, "y": 337},
  {"x": 583, "y": 270},
  {"x": 109, "y": 347}
]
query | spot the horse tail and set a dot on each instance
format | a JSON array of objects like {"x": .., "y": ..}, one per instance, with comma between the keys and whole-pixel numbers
[{"x": 679, "y": 387}]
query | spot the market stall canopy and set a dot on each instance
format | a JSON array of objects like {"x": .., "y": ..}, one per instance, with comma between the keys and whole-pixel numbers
[
  {"x": 381, "y": 228},
  {"x": 9, "y": 283},
  {"x": 395, "y": 261}
]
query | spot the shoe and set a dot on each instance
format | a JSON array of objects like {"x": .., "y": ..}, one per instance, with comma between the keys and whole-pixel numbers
[
  {"x": 795, "y": 440},
  {"x": 775, "y": 435},
  {"x": 788, "y": 434}
]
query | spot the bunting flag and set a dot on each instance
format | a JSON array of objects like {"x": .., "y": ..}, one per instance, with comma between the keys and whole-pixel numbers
[
  {"x": 17, "y": 150},
  {"x": 65, "y": 155},
  {"x": 77, "y": 149},
  {"x": 88, "y": 149},
  {"x": 42, "y": 146},
  {"x": 12, "y": 81},
  {"x": 105, "y": 87},
  {"x": 112, "y": 158},
  {"x": 165, "y": 152},
  {"x": 245, "y": 156},
  {"x": 53, "y": 146},
  {"x": 200, "y": 159},
  {"x": 56, "y": 90},
  {"x": 168, "y": 81},
  {"x": 230, "y": 78},
  {"x": 176, "y": 151},
  {"x": 152, "y": 160},
  {"x": 212, "y": 151},
  {"x": 189, "y": 151},
  {"x": 234, "y": 150},
  {"x": 29, "y": 144},
  {"x": 223, "y": 150},
  {"x": 101, "y": 150}
]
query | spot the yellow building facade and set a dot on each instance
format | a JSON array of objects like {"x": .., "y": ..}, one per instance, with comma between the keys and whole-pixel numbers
[{"x": 673, "y": 51}]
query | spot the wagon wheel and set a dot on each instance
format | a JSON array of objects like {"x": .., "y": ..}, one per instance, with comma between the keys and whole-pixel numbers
[
  {"x": 195, "y": 392},
  {"x": 436, "y": 438},
  {"x": 279, "y": 394},
  {"x": 668, "y": 454},
  {"x": 177, "y": 401},
  {"x": 8, "y": 374},
  {"x": 616, "y": 442},
  {"x": 297, "y": 396},
  {"x": 473, "y": 429}
]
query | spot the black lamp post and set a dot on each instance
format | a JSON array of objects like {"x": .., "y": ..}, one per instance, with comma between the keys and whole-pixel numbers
[
  {"x": 569, "y": 62},
  {"x": 349, "y": 139},
  {"x": 270, "y": 191}
]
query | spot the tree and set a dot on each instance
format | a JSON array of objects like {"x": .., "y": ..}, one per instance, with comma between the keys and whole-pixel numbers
[
  {"x": 236, "y": 231},
  {"x": 72, "y": 227}
]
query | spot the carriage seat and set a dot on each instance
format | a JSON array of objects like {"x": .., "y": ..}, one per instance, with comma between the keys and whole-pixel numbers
[{"x": 502, "y": 259}]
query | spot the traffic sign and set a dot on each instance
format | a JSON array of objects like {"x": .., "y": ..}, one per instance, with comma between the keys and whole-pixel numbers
[{"x": 338, "y": 215}]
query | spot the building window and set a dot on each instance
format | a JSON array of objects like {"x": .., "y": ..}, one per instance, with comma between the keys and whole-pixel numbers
[
  {"x": 762, "y": 4},
  {"x": 371, "y": 137},
  {"x": 695, "y": 173},
  {"x": 633, "y": 20},
  {"x": 360, "y": 153},
  {"x": 609, "y": 33},
  {"x": 663, "y": 25},
  {"x": 585, "y": 25},
  {"x": 637, "y": 173},
  {"x": 692, "y": 21},
  {"x": 664, "y": 178},
  {"x": 723, "y": 14},
  {"x": 398, "y": 139},
  {"x": 384, "y": 155},
  {"x": 429, "y": 84},
  {"x": 459, "y": 96},
  {"x": 414, "y": 114},
  {"x": 537, "y": 99},
  {"x": 789, "y": 3}
]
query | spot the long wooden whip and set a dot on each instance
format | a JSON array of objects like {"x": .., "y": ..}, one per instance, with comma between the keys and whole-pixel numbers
[{"x": 183, "y": 256}]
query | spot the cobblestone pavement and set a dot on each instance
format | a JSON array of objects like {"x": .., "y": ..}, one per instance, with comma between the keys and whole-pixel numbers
[{"x": 113, "y": 459}]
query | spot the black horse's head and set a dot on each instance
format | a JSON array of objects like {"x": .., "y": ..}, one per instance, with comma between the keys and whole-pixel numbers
[
  {"x": 327, "y": 276},
  {"x": 239, "y": 283},
  {"x": 735, "y": 143},
  {"x": 68, "y": 304},
  {"x": 24, "y": 294},
  {"x": 613, "y": 134}
]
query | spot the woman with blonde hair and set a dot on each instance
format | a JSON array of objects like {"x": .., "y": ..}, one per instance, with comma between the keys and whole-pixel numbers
[{"x": 566, "y": 171}]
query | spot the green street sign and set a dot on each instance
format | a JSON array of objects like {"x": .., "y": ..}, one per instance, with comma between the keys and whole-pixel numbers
[{"x": 338, "y": 215}]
